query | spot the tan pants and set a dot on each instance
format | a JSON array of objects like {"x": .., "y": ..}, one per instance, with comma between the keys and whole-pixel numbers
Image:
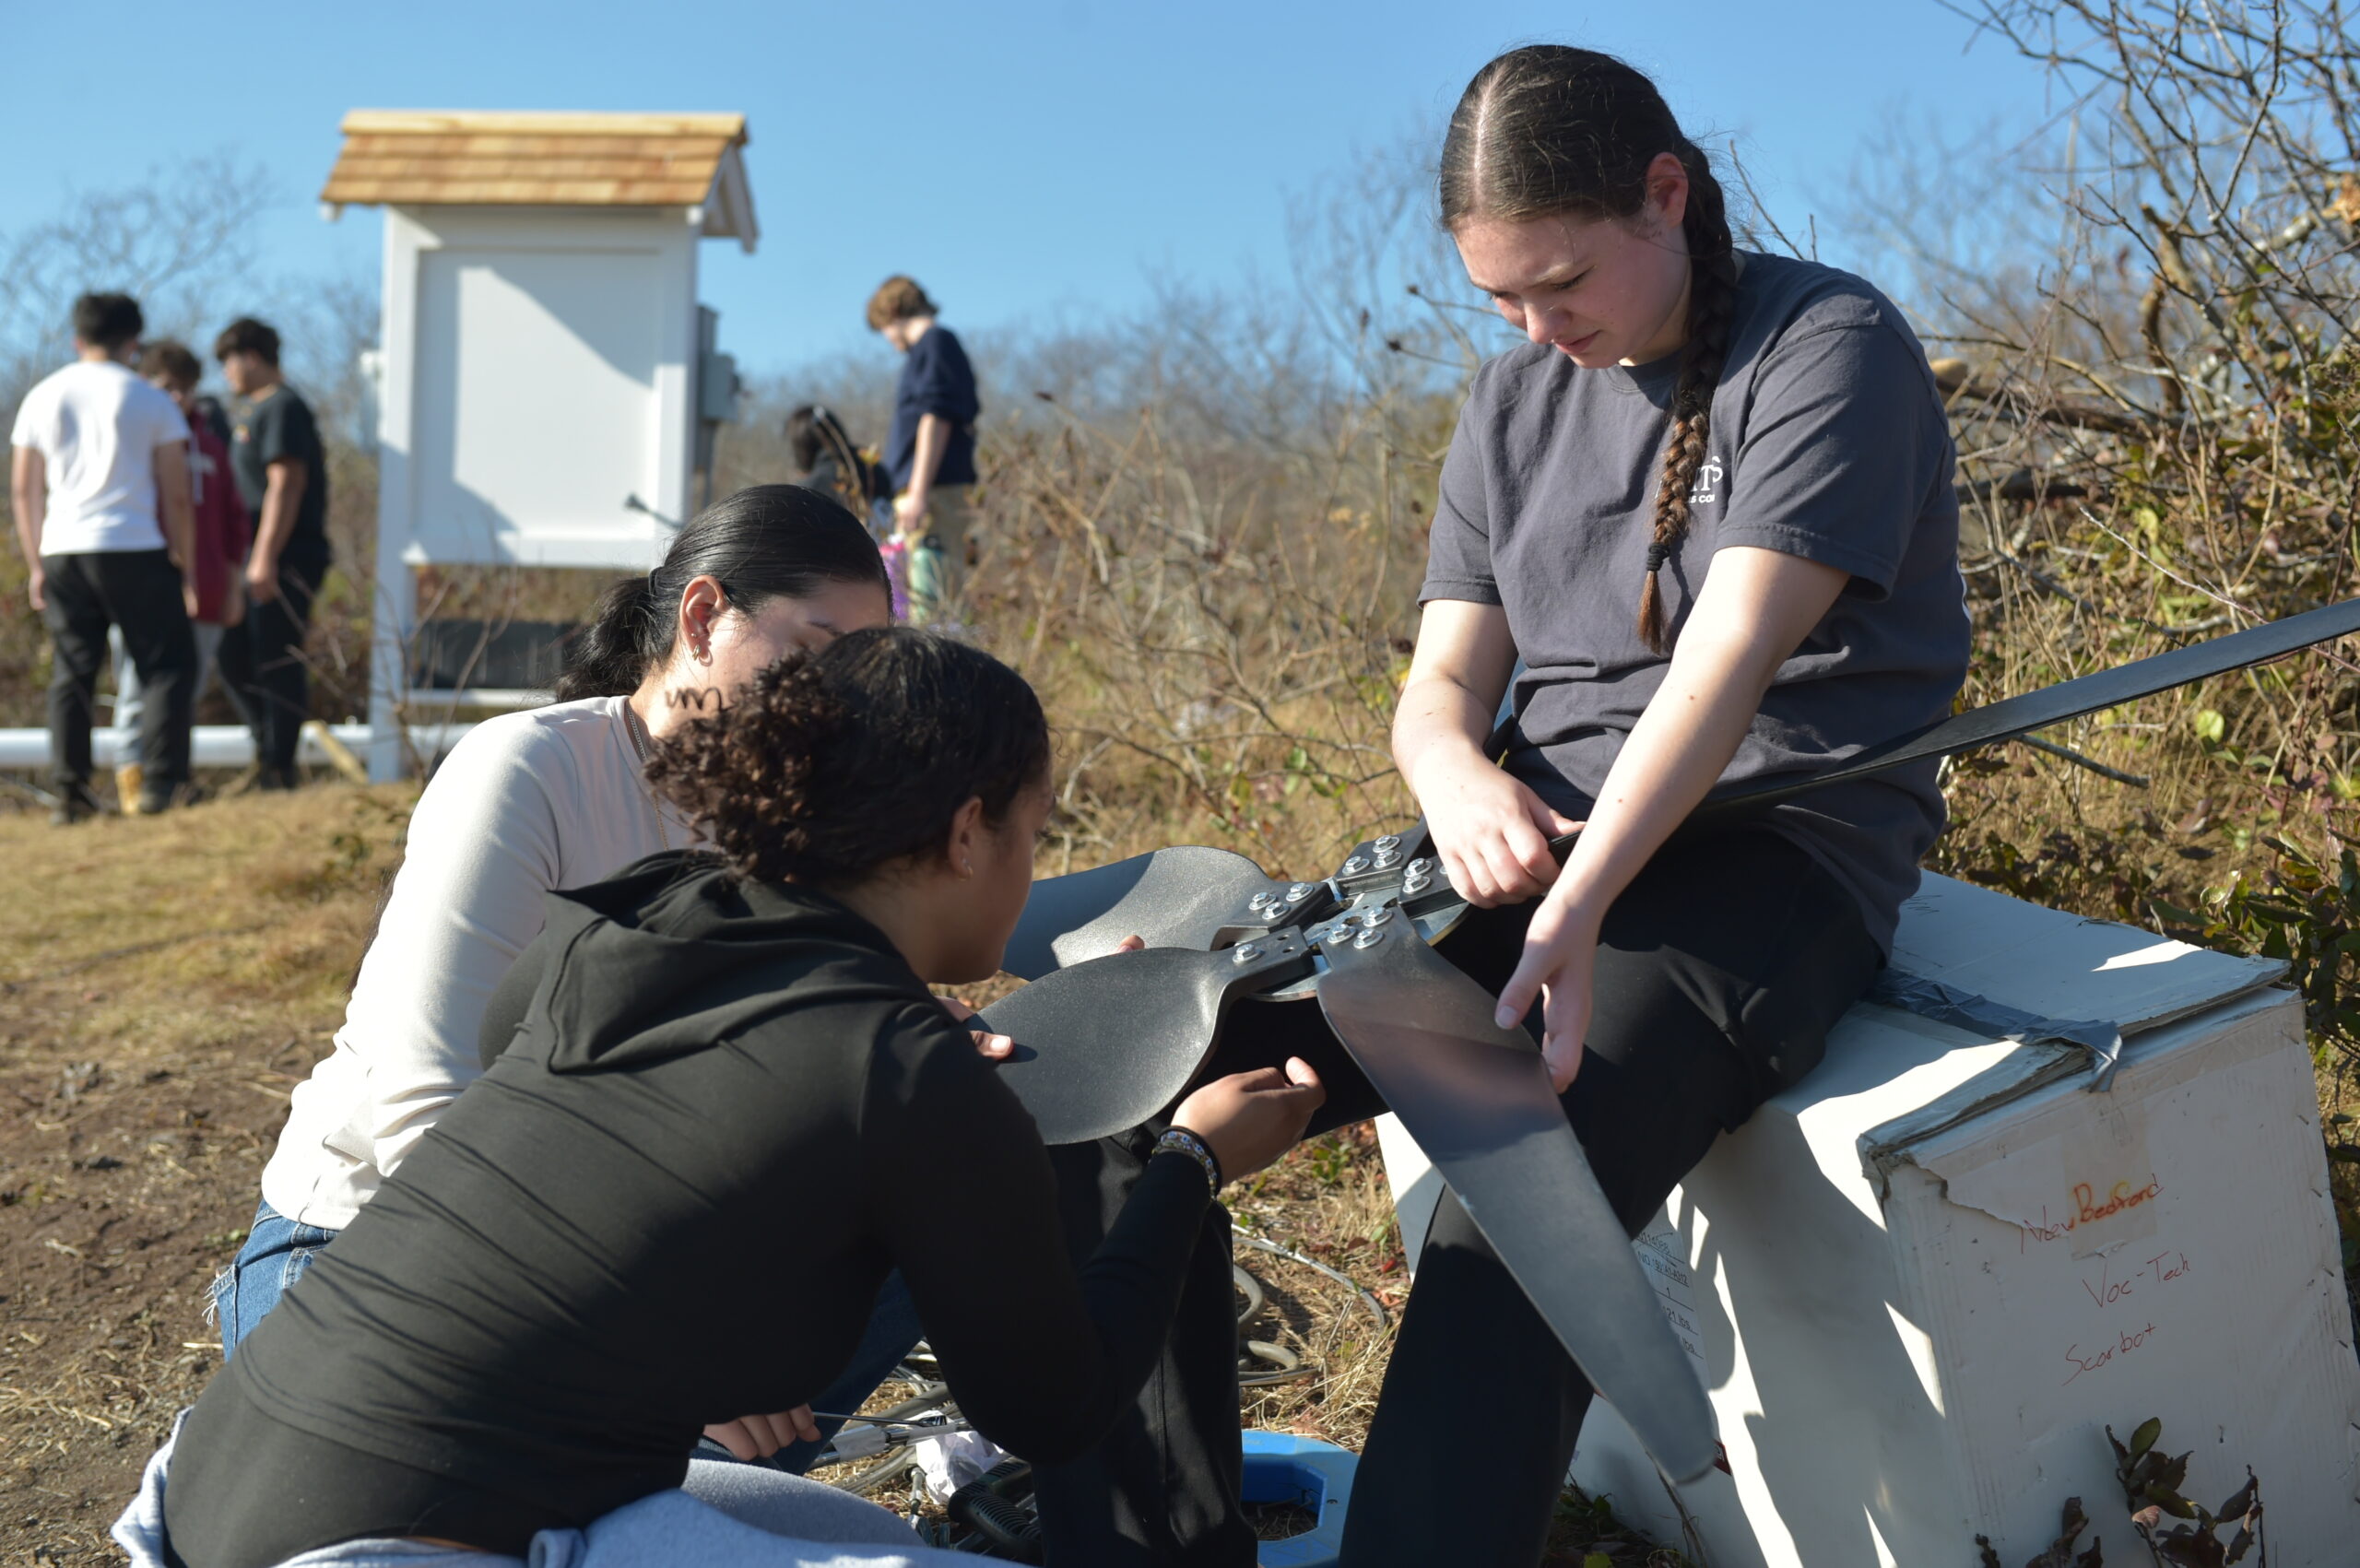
[{"x": 937, "y": 566}]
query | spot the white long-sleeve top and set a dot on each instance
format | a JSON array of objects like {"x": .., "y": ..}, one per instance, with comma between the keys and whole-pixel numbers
[{"x": 525, "y": 803}]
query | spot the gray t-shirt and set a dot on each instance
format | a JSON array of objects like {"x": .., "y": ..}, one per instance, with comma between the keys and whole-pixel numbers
[{"x": 1828, "y": 442}]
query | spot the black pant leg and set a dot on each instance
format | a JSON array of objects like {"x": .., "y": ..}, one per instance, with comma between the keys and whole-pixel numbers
[
  {"x": 235, "y": 661},
  {"x": 75, "y": 612},
  {"x": 1719, "y": 973},
  {"x": 142, "y": 589},
  {"x": 1162, "y": 1488},
  {"x": 282, "y": 680}
]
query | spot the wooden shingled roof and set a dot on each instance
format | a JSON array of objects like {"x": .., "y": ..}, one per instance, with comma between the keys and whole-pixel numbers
[{"x": 429, "y": 158}]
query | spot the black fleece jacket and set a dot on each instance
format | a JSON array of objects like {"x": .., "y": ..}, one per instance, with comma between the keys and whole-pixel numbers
[{"x": 728, "y": 1110}]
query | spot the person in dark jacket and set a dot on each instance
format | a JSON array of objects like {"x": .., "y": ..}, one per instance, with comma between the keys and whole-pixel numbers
[
  {"x": 931, "y": 452},
  {"x": 611, "y": 1240}
]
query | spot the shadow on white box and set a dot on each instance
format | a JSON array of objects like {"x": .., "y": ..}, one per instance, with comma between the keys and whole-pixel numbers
[{"x": 1919, "y": 1286}]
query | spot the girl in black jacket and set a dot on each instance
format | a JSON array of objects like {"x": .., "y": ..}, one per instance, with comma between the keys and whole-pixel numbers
[{"x": 611, "y": 1240}]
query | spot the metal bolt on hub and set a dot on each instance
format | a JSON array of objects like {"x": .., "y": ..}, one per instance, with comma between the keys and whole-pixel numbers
[
  {"x": 1248, "y": 951},
  {"x": 1369, "y": 938},
  {"x": 1355, "y": 865}
]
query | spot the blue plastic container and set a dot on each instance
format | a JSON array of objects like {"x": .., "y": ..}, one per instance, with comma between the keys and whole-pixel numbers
[{"x": 1282, "y": 1467}]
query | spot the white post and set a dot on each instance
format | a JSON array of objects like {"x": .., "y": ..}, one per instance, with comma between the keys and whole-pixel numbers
[
  {"x": 394, "y": 612},
  {"x": 393, "y": 624}
]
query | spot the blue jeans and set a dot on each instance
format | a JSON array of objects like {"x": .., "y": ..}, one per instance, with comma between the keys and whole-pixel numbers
[{"x": 277, "y": 1252}]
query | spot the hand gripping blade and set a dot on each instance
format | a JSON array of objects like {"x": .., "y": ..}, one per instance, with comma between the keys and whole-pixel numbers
[
  {"x": 1175, "y": 898},
  {"x": 1103, "y": 1044},
  {"x": 1477, "y": 1099}
]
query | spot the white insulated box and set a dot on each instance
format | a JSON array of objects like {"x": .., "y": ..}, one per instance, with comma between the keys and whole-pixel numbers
[{"x": 1919, "y": 1286}]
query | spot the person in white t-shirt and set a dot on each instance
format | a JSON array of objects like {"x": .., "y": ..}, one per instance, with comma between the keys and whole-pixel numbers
[
  {"x": 95, "y": 447},
  {"x": 553, "y": 798}
]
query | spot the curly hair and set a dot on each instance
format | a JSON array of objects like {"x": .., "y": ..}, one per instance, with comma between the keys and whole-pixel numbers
[
  {"x": 1548, "y": 130},
  {"x": 838, "y": 762}
]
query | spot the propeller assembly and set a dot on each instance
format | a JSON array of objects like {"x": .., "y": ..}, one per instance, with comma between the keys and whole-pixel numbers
[{"x": 1105, "y": 1040}]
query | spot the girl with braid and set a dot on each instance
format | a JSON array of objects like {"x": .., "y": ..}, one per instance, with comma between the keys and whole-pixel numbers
[{"x": 1709, "y": 504}]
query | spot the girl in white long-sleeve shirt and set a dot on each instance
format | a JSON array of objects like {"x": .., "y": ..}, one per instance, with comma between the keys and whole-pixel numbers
[{"x": 554, "y": 798}]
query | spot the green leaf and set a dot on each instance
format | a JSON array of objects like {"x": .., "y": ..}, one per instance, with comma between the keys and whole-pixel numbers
[
  {"x": 2144, "y": 1437},
  {"x": 1598, "y": 1559},
  {"x": 2210, "y": 725}
]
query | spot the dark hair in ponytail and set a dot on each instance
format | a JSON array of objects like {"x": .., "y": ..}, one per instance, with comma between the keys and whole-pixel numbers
[
  {"x": 1548, "y": 130},
  {"x": 842, "y": 760},
  {"x": 766, "y": 542},
  {"x": 812, "y": 432}
]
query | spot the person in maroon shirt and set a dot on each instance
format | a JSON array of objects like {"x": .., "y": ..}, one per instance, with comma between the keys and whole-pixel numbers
[{"x": 221, "y": 539}]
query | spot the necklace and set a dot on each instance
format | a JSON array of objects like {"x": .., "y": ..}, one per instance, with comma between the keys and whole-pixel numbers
[{"x": 642, "y": 744}]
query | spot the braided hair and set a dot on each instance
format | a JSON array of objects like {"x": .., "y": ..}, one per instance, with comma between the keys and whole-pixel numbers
[{"x": 1548, "y": 131}]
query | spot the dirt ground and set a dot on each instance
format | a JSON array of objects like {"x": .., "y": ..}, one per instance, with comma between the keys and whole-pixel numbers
[{"x": 165, "y": 982}]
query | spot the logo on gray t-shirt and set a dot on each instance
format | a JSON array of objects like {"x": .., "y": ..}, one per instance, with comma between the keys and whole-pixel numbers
[{"x": 1707, "y": 477}]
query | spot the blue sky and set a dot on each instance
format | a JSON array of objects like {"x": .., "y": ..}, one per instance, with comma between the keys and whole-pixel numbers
[{"x": 1025, "y": 160}]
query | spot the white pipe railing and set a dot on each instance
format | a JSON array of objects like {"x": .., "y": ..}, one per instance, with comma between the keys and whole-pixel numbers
[{"x": 212, "y": 746}]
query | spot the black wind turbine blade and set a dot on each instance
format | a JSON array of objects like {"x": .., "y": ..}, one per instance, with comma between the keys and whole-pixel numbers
[
  {"x": 2014, "y": 717},
  {"x": 1477, "y": 1100},
  {"x": 1103, "y": 1044},
  {"x": 1180, "y": 896}
]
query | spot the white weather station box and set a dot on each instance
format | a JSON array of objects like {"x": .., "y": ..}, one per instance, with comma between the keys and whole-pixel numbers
[
  {"x": 548, "y": 384},
  {"x": 1919, "y": 1286}
]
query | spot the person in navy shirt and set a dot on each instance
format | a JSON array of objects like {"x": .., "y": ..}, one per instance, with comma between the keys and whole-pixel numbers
[{"x": 930, "y": 455}]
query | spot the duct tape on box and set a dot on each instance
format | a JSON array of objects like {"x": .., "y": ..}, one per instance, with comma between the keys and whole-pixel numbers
[{"x": 2101, "y": 1041}]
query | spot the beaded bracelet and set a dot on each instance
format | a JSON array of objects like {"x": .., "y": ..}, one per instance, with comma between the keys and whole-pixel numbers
[{"x": 1180, "y": 1141}]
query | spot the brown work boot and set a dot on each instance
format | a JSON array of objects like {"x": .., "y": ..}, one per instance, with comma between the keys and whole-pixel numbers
[{"x": 127, "y": 781}]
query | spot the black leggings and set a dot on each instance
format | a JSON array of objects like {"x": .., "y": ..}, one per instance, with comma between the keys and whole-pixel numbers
[{"x": 1720, "y": 971}]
